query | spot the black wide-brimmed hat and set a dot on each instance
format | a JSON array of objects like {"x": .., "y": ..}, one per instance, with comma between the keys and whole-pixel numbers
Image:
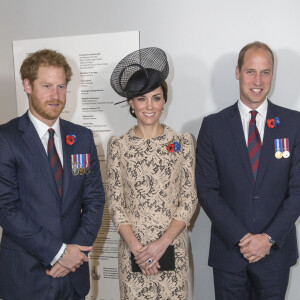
[{"x": 140, "y": 72}]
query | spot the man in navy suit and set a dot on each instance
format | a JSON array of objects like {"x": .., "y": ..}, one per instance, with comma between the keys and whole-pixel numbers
[
  {"x": 248, "y": 181},
  {"x": 51, "y": 193}
]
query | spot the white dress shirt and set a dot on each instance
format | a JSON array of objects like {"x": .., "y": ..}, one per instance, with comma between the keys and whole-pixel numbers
[
  {"x": 42, "y": 130},
  {"x": 260, "y": 118},
  {"x": 260, "y": 124}
]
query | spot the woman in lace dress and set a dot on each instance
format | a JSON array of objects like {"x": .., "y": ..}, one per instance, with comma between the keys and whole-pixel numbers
[{"x": 151, "y": 188}]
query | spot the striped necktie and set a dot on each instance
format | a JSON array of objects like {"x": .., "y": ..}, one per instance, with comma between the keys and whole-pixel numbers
[
  {"x": 55, "y": 161},
  {"x": 254, "y": 143}
]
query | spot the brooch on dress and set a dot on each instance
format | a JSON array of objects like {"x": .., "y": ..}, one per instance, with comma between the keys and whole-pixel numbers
[{"x": 173, "y": 147}]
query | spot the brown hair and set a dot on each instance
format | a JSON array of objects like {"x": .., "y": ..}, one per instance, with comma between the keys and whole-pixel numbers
[
  {"x": 45, "y": 57},
  {"x": 164, "y": 88},
  {"x": 258, "y": 45}
]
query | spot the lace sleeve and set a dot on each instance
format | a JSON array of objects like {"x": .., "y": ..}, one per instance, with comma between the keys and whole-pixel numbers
[{"x": 115, "y": 199}]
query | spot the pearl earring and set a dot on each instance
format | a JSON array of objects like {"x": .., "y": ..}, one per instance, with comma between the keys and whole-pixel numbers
[{"x": 132, "y": 111}]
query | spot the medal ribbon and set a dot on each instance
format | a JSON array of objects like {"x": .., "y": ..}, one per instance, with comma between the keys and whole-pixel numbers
[
  {"x": 83, "y": 160},
  {"x": 278, "y": 145},
  {"x": 87, "y": 160},
  {"x": 286, "y": 146},
  {"x": 78, "y": 161}
]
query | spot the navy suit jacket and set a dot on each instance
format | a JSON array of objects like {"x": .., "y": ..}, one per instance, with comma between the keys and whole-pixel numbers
[
  {"x": 231, "y": 199},
  {"x": 34, "y": 219}
]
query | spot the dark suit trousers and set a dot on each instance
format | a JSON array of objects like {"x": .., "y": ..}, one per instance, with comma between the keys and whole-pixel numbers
[
  {"x": 254, "y": 283},
  {"x": 62, "y": 289}
]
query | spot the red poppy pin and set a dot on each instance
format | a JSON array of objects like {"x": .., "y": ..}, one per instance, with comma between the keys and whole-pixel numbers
[
  {"x": 71, "y": 139},
  {"x": 173, "y": 147},
  {"x": 273, "y": 123}
]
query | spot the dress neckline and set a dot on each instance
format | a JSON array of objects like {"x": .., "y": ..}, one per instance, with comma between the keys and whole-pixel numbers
[{"x": 161, "y": 139}]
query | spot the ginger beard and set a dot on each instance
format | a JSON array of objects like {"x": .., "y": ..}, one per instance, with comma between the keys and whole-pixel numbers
[{"x": 47, "y": 94}]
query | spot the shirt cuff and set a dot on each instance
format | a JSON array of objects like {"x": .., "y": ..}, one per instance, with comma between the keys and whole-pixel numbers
[
  {"x": 270, "y": 239},
  {"x": 58, "y": 255}
]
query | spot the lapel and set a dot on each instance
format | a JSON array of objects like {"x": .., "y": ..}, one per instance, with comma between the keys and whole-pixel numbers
[
  {"x": 67, "y": 150},
  {"x": 34, "y": 144},
  {"x": 235, "y": 123},
  {"x": 267, "y": 147}
]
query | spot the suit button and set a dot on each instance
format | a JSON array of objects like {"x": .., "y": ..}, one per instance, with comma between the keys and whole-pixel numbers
[
  {"x": 63, "y": 218},
  {"x": 255, "y": 197},
  {"x": 253, "y": 220}
]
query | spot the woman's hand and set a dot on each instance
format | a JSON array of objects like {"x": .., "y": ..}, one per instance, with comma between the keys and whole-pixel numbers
[
  {"x": 148, "y": 256},
  {"x": 151, "y": 271},
  {"x": 135, "y": 247}
]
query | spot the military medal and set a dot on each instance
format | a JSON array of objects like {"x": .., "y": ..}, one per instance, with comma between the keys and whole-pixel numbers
[
  {"x": 278, "y": 148},
  {"x": 80, "y": 164},
  {"x": 75, "y": 170},
  {"x": 286, "y": 153},
  {"x": 74, "y": 164}
]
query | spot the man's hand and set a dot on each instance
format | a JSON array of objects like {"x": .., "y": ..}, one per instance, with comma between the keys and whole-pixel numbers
[
  {"x": 254, "y": 247},
  {"x": 57, "y": 271},
  {"x": 74, "y": 257},
  {"x": 71, "y": 260}
]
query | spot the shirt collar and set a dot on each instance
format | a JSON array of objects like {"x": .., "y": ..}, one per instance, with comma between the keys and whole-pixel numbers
[
  {"x": 261, "y": 110},
  {"x": 42, "y": 128}
]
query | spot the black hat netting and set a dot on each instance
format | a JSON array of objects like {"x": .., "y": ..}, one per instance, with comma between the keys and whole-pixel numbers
[{"x": 140, "y": 72}]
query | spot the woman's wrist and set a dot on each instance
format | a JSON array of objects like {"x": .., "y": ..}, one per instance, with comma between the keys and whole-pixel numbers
[
  {"x": 135, "y": 246},
  {"x": 166, "y": 239}
]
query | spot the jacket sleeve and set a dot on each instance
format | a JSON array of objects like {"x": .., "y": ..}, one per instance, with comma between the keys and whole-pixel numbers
[
  {"x": 116, "y": 201},
  {"x": 92, "y": 202},
  {"x": 289, "y": 211},
  {"x": 20, "y": 227},
  {"x": 224, "y": 220}
]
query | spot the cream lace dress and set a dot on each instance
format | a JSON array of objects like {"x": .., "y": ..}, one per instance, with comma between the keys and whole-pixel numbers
[{"x": 147, "y": 186}]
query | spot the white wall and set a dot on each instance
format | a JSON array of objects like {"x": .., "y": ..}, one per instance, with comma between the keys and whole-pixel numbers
[{"x": 202, "y": 40}]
